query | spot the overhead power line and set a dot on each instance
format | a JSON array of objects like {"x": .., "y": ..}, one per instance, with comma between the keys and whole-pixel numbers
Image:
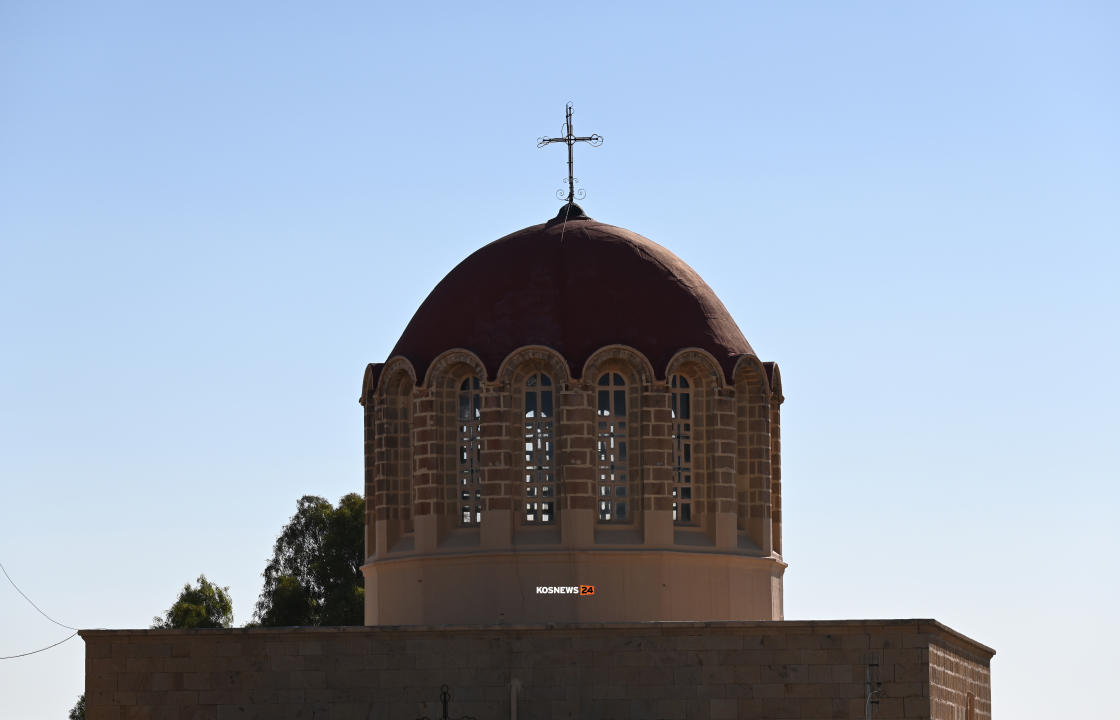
[
  {"x": 48, "y": 617},
  {"x": 13, "y": 582},
  {"x": 32, "y": 652}
]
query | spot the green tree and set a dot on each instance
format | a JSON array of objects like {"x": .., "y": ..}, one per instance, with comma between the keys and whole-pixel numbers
[
  {"x": 78, "y": 712},
  {"x": 315, "y": 575},
  {"x": 205, "y": 606}
]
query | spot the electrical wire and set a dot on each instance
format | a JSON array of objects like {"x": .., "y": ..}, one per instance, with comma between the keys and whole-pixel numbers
[
  {"x": 48, "y": 647},
  {"x": 48, "y": 617},
  {"x": 565, "y": 225},
  {"x": 13, "y": 582}
]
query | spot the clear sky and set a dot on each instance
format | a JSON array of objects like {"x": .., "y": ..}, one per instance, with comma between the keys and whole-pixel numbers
[{"x": 214, "y": 214}]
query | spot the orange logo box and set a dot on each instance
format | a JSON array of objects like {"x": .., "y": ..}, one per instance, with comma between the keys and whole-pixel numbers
[{"x": 586, "y": 589}]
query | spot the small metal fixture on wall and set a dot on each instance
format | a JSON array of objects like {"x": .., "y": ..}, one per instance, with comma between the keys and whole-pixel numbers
[
  {"x": 445, "y": 698},
  {"x": 872, "y": 695}
]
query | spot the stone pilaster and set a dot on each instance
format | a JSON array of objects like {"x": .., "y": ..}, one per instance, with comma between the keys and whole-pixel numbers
[
  {"x": 752, "y": 482},
  {"x": 499, "y": 476},
  {"x": 393, "y": 463},
  {"x": 575, "y": 461},
  {"x": 428, "y": 467},
  {"x": 758, "y": 469},
  {"x": 776, "y": 472},
  {"x": 719, "y": 455},
  {"x": 655, "y": 432},
  {"x": 369, "y": 447}
]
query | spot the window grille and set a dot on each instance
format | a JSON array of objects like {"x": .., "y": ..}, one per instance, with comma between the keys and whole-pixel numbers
[
  {"x": 611, "y": 437},
  {"x": 540, "y": 482},
  {"x": 470, "y": 478},
  {"x": 682, "y": 450}
]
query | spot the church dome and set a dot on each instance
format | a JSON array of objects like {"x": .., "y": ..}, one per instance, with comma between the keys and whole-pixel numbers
[{"x": 575, "y": 287}]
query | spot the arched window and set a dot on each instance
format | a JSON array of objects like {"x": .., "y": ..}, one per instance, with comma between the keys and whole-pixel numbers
[
  {"x": 540, "y": 481},
  {"x": 470, "y": 477},
  {"x": 682, "y": 449},
  {"x": 611, "y": 437}
]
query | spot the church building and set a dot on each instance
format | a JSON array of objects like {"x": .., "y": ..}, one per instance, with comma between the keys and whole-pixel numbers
[{"x": 573, "y": 510}]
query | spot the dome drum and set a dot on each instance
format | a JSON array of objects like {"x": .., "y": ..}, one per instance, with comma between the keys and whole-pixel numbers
[{"x": 562, "y": 480}]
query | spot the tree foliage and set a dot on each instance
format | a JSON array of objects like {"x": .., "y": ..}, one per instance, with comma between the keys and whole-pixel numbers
[
  {"x": 315, "y": 575},
  {"x": 78, "y": 712},
  {"x": 204, "y": 606}
]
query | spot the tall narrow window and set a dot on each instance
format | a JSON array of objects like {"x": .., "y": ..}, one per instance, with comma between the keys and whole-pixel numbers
[
  {"x": 540, "y": 485},
  {"x": 470, "y": 479},
  {"x": 682, "y": 450},
  {"x": 610, "y": 410}
]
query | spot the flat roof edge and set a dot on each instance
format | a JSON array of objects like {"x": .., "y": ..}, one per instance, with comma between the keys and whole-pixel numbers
[{"x": 920, "y": 625}]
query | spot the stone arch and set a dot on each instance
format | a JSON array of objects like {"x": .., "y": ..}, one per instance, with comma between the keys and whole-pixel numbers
[
  {"x": 636, "y": 365},
  {"x": 453, "y": 364},
  {"x": 369, "y": 382},
  {"x": 697, "y": 363},
  {"x": 529, "y": 359},
  {"x": 750, "y": 370},
  {"x": 390, "y": 374},
  {"x": 775, "y": 377}
]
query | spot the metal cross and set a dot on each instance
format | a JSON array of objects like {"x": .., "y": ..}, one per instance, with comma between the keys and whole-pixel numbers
[{"x": 570, "y": 140}]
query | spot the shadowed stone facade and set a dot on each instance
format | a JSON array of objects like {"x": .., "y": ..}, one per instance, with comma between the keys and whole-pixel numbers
[{"x": 627, "y": 671}]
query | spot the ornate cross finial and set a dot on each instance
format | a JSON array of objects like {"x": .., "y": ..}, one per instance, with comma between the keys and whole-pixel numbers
[{"x": 570, "y": 140}]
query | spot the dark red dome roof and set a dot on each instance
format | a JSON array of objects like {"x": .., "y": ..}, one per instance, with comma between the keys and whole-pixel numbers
[{"x": 574, "y": 287}]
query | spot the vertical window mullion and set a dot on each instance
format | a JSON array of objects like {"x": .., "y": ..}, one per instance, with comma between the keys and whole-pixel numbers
[
  {"x": 682, "y": 449},
  {"x": 470, "y": 451}
]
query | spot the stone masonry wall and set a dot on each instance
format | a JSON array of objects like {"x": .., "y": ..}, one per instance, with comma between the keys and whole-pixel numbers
[
  {"x": 411, "y": 450},
  {"x": 955, "y": 674},
  {"x": 715, "y": 671}
]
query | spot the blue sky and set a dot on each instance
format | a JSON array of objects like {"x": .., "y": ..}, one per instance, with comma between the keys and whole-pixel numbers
[{"x": 213, "y": 215}]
